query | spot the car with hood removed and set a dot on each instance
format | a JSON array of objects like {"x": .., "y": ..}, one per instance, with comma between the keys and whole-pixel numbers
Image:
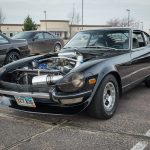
[{"x": 90, "y": 73}]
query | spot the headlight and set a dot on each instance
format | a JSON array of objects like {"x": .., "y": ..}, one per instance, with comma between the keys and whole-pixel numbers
[{"x": 71, "y": 82}]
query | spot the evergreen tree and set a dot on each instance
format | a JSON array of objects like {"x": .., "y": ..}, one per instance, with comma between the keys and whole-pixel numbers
[{"x": 29, "y": 24}]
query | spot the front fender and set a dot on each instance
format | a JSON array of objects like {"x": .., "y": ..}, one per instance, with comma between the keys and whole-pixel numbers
[{"x": 102, "y": 71}]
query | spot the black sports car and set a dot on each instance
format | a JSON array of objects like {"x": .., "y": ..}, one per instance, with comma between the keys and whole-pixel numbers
[{"x": 91, "y": 72}]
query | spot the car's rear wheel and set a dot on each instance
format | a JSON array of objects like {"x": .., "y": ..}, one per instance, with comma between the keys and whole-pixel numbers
[
  {"x": 106, "y": 100},
  {"x": 12, "y": 56},
  {"x": 57, "y": 48}
]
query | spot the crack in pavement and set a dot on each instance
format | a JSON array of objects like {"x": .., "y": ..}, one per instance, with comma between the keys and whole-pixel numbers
[
  {"x": 142, "y": 137},
  {"x": 31, "y": 137}
]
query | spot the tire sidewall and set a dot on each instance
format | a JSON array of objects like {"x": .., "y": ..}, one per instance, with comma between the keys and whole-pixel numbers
[
  {"x": 8, "y": 55},
  {"x": 99, "y": 96}
]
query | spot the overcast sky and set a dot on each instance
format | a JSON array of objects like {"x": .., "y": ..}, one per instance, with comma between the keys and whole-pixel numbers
[{"x": 95, "y": 11}]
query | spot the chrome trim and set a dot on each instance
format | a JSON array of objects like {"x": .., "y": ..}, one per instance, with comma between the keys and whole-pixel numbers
[
  {"x": 26, "y": 94},
  {"x": 68, "y": 96}
]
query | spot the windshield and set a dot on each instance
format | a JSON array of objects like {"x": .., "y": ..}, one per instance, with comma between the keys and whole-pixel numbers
[
  {"x": 22, "y": 35},
  {"x": 115, "y": 39}
]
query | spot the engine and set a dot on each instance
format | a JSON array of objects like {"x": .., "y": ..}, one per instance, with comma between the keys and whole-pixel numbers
[{"x": 49, "y": 70}]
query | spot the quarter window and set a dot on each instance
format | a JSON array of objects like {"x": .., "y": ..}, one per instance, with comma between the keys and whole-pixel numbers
[
  {"x": 138, "y": 40},
  {"x": 147, "y": 38}
]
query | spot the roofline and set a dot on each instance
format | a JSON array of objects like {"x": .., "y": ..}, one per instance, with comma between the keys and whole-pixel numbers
[
  {"x": 75, "y": 25},
  {"x": 54, "y": 21},
  {"x": 116, "y": 28},
  {"x": 11, "y": 24}
]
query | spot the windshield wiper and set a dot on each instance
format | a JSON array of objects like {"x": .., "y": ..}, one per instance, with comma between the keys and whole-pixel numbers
[{"x": 101, "y": 47}]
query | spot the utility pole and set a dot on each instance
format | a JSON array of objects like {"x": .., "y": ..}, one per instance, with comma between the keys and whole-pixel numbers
[
  {"x": 45, "y": 20},
  {"x": 82, "y": 13},
  {"x": 128, "y": 10},
  {"x": 142, "y": 25}
]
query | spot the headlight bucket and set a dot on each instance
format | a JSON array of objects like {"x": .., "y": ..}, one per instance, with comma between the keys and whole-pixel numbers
[{"x": 71, "y": 82}]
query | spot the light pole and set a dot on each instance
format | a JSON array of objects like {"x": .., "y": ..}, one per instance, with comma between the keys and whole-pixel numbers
[
  {"x": 142, "y": 25},
  {"x": 45, "y": 20},
  {"x": 82, "y": 13},
  {"x": 128, "y": 10}
]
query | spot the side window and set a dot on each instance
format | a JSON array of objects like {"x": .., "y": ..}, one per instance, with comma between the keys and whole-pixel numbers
[
  {"x": 138, "y": 40},
  {"x": 3, "y": 40},
  {"x": 147, "y": 38},
  {"x": 39, "y": 36},
  {"x": 48, "y": 36}
]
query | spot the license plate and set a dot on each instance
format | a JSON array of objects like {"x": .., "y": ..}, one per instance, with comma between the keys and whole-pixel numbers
[{"x": 25, "y": 101}]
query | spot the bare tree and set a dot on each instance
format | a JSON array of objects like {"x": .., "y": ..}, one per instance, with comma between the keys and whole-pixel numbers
[
  {"x": 74, "y": 16},
  {"x": 2, "y": 18},
  {"x": 123, "y": 22},
  {"x": 114, "y": 22}
]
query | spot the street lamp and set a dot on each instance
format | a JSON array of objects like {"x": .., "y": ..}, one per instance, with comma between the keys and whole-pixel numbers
[
  {"x": 128, "y": 10},
  {"x": 82, "y": 13},
  {"x": 45, "y": 20},
  {"x": 142, "y": 25}
]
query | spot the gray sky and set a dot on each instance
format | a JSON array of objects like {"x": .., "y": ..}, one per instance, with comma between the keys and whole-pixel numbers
[{"x": 95, "y": 11}]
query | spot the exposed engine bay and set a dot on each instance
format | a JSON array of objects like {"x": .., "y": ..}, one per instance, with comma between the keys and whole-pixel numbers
[{"x": 42, "y": 73}]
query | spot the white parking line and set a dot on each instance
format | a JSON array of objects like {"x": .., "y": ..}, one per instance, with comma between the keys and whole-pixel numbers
[
  {"x": 140, "y": 146},
  {"x": 148, "y": 133},
  {"x": 143, "y": 144}
]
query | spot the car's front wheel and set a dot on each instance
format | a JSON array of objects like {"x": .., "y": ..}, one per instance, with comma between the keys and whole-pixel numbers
[
  {"x": 106, "y": 100},
  {"x": 12, "y": 56}
]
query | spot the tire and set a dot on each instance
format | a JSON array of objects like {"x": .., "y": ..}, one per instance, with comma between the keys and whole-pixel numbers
[
  {"x": 147, "y": 82},
  {"x": 105, "y": 103},
  {"x": 12, "y": 56},
  {"x": 57, "y": 48}
]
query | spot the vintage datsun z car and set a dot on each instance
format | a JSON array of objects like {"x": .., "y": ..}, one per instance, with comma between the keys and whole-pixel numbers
[{"x": 90, "y": 73}]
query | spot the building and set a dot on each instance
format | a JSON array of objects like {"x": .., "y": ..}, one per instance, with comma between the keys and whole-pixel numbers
[
  {"x": 58, "y": 27},
  {"x": 61, "y": 28},
  {"x": 11, "y": 29}
]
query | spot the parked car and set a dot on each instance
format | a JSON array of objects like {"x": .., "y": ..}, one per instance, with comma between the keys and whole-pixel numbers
[
  {"x": 12, "y": 50},
  {"x": 91, "y": 72},
  {"x": 41, "y": 42}
]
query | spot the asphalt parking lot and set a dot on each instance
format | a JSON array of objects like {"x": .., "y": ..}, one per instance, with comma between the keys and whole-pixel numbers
[{"x": 128, "y": 129}]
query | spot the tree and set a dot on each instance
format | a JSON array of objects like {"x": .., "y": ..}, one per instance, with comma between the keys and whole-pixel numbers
[
  {"x": 29, "y": 24},
  {"x": 74, "y": 16},
  {"x": 116, "y": 22},
  {"x": 2, "y": 18}
]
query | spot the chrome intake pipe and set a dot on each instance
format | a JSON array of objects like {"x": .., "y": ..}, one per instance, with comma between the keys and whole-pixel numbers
[{"x": 46, "y": 79}]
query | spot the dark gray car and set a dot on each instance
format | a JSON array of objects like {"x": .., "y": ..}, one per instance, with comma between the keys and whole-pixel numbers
[
  {"x": 12, "y": 50},
  {"x": 41, "y": 42}
]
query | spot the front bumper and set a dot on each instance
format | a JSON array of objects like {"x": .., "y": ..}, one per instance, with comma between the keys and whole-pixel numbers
[{"x": 52, "y": 102}]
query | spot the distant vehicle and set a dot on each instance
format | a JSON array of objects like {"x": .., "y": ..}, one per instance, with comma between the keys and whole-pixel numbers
[
  {"x": 41, "y": 42},
  {"x": 12, "y": 50}
]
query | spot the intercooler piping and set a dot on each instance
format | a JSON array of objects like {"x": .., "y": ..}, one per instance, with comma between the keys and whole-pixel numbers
[
  {"x": 46, "y": 79},
  {"x": 52, "y": 79}
]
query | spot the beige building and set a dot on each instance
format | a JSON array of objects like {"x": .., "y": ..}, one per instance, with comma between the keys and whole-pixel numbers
[
  {"x": 61, "y": 28},
  {"x": 58, "y": 27},
  {"x": 11, "y": 29}
]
